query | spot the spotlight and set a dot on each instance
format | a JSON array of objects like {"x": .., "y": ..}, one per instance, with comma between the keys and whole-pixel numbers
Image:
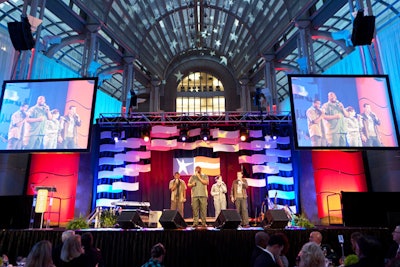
[
  {"x": 205, "y": 133},
  {"x": 116, "y": 135},
  {"x": 183, "y": 134},
  {"x": 244, "y": 134},
  {"x": 146, "y": 134}
]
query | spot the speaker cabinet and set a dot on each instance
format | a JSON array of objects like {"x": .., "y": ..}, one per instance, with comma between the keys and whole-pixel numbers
[
  {"x": 21, "y": 34},
  {"x": 363, "y": 29},
  {"x": 276, "y": 219},
  {"x": 172, "y": 219},
  {"x": 228, "y": 219},
  {"x": 130, "y": 220}
]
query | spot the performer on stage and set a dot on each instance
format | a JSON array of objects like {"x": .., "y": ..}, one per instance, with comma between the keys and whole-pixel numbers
[
  {"x": 239, "y": 197},
  {"x": 178, "y": 193},
  {"x": 218, "y": 191},
  {"x": 198, "y": 182}
]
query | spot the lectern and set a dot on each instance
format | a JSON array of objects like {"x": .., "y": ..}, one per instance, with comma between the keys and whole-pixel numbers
[{"x": 42, "y": 203}]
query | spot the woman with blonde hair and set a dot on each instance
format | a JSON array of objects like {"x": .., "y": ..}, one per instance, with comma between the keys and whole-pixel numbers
[
  {"x": 40, "y": 255},
  {"x": 311, "y": 255},
  {"x": 72, "y": 252}
]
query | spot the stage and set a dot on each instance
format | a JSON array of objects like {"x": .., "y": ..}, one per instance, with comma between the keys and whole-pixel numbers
[{"x": 185, "y": 247}]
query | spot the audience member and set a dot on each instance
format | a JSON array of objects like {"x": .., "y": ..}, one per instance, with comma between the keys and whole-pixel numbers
[
  {"x": 157, "y": 256},
  {"x": 369, "y": 252},
  {"x": 285, "y": 250},
  {"x": 92, "y": 254},
  {"x": 311, "y": 255},
  {"x": 72, "y": 253},
  {"x": 329, "y": 253},
  {"x": 40, "y": 255},
  {"x": 270, "y": 256},
  {"x": 239, "y": 197},
  {"x": 56, "y": 254},
  {"x": 261, "y": 239},
  {"x": 393, "y": 254}
]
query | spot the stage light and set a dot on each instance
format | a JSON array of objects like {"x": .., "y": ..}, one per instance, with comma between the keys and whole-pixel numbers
[
  {"x": 205, "y": 133},
  {"x": 116, "y": 135},
  {"x": 244, "y": 134},
  {"x": 183, "y": 134},
  {"x": 146, "y": 134}
]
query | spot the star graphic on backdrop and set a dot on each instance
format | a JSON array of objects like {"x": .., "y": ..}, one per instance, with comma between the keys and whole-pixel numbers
[
  {"x": 233, "y": 37},
  {"x": 223, "y": 60},
  {"x": 230, "y": 54},
  {"x": 178, "y": 76},
  {"x": 212, "y": 53},
  {"x": 155, "y": 59},
  {"x": 204, "y": 34},
  {"x": 246, "y": 57},
  {"x": 231, "y": 2},
  {"x": 259, "y": 6},
  {"x": 218, "y": 43},
  {"x": 183, "y": 165}
]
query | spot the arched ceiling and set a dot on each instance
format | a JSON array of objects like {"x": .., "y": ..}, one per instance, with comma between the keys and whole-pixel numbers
[{"x": 157, "y": 34}]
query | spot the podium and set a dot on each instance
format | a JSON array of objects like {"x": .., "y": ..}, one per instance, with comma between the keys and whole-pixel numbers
[{"x": 42, "y": 203}]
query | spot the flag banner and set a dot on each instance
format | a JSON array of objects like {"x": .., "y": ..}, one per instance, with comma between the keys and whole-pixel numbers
[
  {"x": 105, "y": 202},
  {"x": 270, "y": 169},
  {"x": 256, "y": 182},
  {"x": 108, "y": 174},
  {"x": 282, "y": 194},
  {"x": 108, "y": 135},
  {"x": 160, "y": 131},
  {"x": 128, "y": 157},
  {"x": 225, "y": 148},
  {"x": 228, "y": 141},
  {"x": 283, "y": 140},
  {"x": 285, "y": 167},
  {"x": 163, "y": 144},
  {"x": 125, "y": 186},
  {"x": 274, "y": 179},
  {"x": 110, "y": 161},
  {"x": 209, "y": 166},
  {"x": 256, "y": 133},
  {"x": 130, "y": 143},
  {"x": 139, "y": 167},
  {"x": 226, "y": 134},
  {"x": 107, "y": 188},
  {"x": 110, "y": 148},
  {"x": 253, "y": 159}
]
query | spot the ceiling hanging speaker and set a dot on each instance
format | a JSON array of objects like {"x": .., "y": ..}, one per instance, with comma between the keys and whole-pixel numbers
[
  {"x": 363, "y": 29},
  {"x": 21, "y": 34}
]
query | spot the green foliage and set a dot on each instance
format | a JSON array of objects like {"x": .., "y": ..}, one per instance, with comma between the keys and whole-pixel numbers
[
  {"x": 350, "y": 259},
  {"x": 78, "y": 223},
  {"x": 108, "y": 218},
  {"x": 302, "y": 221}
]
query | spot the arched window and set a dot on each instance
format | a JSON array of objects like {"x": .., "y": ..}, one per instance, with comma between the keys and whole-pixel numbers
[{"x": 200, "y": 93}]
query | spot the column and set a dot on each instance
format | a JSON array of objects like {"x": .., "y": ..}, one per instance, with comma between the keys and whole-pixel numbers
[
  {"x": 245, "y": 99},
  {"x": 270, "y": 83},
  {"x": 155, "y": 94},
  {"x": 128, "y": 78},
  {"x": 304, "y": 44},
  {"x": 90, "y": 50}
]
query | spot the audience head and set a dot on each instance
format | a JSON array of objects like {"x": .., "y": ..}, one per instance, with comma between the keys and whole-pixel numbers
[
  {"x": 286, "y": 243},
  {"x": 396, "y": 234},
  {"x": 72, "y": 248},
  {"x": 40, "y": 255},
  {"x": 261, "y": 238},
  {"x": 369, "y": 247},
  {"x": 316, "y": 237},
  {"x": 276, "y": 244},
  {"x": 87, "y": 240},
  {"x": 66, "y": 234},
  {"x": 311, "y": 255},
  {"x": 353, "y": 239},
  {"x": 158, "y": 252}
]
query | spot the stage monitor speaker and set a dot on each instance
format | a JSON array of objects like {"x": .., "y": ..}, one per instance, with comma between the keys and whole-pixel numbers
[
  {"x": 276, "y": 218},
  {"x": 172, "y": 219},
  {"x": 228, "y": 219},
  {"x": 21, "y": 34},
  {"x": 130, "y": 220},
  {"x": 363, "y": 29}
]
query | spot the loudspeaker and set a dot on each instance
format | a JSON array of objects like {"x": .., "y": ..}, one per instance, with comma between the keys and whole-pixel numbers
[
  {"x": 276, "y": 218},
  {"x": 172, "y": 219},
  {"x": 228, "y": 219},
  {"x": 130, "y": 220},
  {"x": 363, "y": 29},
  {"x": 21, "y": 34}
]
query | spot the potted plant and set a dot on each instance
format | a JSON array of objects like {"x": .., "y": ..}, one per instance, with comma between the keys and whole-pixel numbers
[
  {"x": 108, "y": 218},
  {"x": 78, "y": 223}
]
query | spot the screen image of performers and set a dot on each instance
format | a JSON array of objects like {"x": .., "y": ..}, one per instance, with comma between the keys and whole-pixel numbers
[
  {"x": 316, "y": 130},
  {"x": 370, "y": 132},
  {"x": 35, "y": 124},
  {"x": 16, "y": 129},
  {"x": 353, "y": 125},
  {"x": 198, "y": 183},
  {"x": 69, "y": 128},
  {"x": 177, "y": 186},
  {"x": 335, "y": 113}
]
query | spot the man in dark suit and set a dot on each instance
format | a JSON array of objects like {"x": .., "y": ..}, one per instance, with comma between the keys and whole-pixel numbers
[
  {"x": 261, "y": 239},
  {"x": 270, "y": 256}
]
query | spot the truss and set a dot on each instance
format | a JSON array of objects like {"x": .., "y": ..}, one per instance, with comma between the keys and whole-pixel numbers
[{"x": 164, "y": 118}]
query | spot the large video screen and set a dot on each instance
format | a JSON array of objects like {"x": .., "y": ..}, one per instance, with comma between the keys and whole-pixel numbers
[
  {"x": 52, "y": 115},
  {"x": 342, "y": 112}
]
